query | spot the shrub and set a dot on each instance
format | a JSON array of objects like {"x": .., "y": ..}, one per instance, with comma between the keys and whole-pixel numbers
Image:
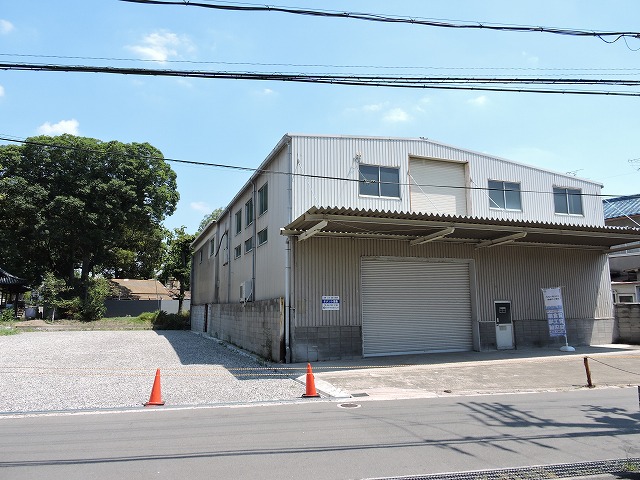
[{"x": 171, "y": 321}]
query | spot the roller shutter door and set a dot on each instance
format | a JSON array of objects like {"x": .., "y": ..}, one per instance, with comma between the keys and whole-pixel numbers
[
  {"x": 415, "y": 307},
  {"x": 438, "y": 187}
]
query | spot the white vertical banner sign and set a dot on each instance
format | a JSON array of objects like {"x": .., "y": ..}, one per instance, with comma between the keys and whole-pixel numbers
[{"x": 555, "y": 315}]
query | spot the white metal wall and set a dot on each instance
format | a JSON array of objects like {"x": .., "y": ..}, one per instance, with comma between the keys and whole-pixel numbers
[
  {"x": 339, "y": 157},
  {"x": 330, "y": 266}
]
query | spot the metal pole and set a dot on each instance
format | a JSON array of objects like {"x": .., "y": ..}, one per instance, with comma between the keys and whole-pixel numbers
[{"x": 586, "y": 367}]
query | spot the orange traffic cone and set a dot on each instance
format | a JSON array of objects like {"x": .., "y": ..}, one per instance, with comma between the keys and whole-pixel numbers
[
  {"x": 156, "y": 396},
  {"x": 311, "y": 384}
]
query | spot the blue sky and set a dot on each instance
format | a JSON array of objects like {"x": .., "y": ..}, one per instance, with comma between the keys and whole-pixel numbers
[{"x": 238, "y": 122}]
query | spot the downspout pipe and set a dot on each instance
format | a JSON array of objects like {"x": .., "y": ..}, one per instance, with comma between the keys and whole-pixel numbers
[{"x": 287, "y": 268}]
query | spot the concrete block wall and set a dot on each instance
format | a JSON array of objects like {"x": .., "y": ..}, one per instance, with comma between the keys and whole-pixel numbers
[
  {"x": 535, "y": 333},
  {"x": 197, "y": 317},
  {"x": 627, "y": 323},
  {"x": 310, "y": 344},
  {"x": 255, "y": 326}
]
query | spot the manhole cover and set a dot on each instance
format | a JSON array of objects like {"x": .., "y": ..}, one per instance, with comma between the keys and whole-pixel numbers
[{"x": 349, "y": 405}]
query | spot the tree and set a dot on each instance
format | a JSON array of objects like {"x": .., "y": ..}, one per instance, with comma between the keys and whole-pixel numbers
[
  {"x": 178, "y": 261},
  {"x": 209, "y": 218},
  {"x": 76, "y": 204}
]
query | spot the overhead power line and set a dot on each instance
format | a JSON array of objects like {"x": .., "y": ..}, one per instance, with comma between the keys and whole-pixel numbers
[
  {"x": 606, "y": 36},
  {"x": 9, "y": 138},
  {"x": 447, "y": 83}
]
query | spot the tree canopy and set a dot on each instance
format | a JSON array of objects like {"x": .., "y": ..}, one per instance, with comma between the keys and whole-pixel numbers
[
  {"x": 75, "y": 204},
  {"x": 210, "y": 217}
]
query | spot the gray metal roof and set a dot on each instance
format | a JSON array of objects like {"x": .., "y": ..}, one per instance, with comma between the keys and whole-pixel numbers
[
  {"x": 483, "y": 232},
  {"x": 629, "y": 205}
]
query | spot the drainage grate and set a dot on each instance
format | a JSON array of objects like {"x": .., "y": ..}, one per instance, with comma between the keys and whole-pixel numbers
[
  {"x": 562, "y": 470},
  {"x": 349, "y": 405},
  {"x": 360, "y": 394}
]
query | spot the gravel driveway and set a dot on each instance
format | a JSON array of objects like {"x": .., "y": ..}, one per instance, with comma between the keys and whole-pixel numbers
[{"x": 70, "y": 370}]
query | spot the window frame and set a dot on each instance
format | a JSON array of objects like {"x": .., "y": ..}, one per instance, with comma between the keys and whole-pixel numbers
[
  {"x": 266, "y": 236},
  {"x": 567, "y": 197},
  {"x": 248, "y": 245},
  {"x": 364, "y": 180},
  {"x": 263, "y": 199},
  {"x": 237, "y": 252},
  {"x": 504, "y": 191},
  {"x": 249, "y": 215},
  {"x": 238, "y": 220}
]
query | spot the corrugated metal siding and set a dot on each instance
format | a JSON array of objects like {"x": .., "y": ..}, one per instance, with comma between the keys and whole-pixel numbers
[
  {"x": 415, "y": 306},
  {"x": 339, "y": 157},
  {"x": 426, "y": 194},
  {"x": 329, "y": 266}
]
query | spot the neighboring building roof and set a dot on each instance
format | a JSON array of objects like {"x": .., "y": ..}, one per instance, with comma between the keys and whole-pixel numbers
[
  {"x": 483, "y": 232},
  {"x": 140, "y": 289},
  {"x": 626, "y": 206},
  {"x": 7, "y": 279}
]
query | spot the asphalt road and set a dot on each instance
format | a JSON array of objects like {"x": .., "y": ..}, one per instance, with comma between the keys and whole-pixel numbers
[{"x": 324, "y": 439}]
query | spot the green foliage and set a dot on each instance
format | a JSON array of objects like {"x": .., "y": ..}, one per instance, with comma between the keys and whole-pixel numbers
[
  {"x": 177, "y": 262},
  {"x": 50, "y": 293},
  {"x": 167, "y": 321},
  {"x": 7, "y": 315},
  {"x": 93, "y": 308},
  {"x": 172, "y": 321},
  {"x": 80, "y": 204},
  {"x": 209, "y": 218}
]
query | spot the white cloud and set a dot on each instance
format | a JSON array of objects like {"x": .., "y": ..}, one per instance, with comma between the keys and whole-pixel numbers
[
  {"x": 268, "y": 91},
  {"x": 480, "y": 101},
  {"x": 200, "y": 207},
  {"x": 530, "y": 59},
  {"x": 63, "y": 126},
  {"x": 373, "y": 107},
  {"x": 1, "y": 91},
  {"x": 6, "y": 27},
  {"x": 161, "y": 46},
  {"x": 396, "y": 115}
]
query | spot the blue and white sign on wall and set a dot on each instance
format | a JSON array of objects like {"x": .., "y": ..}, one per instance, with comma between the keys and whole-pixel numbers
[{"x": 330, "y": 302}]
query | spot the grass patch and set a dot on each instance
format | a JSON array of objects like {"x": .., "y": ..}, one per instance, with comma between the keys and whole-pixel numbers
[{"x": 6, "y": 330}]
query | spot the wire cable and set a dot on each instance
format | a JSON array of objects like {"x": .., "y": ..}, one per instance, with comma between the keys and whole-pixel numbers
[
  {"x": 374, "y": 17},
  {"x": 442, "y": 83}
]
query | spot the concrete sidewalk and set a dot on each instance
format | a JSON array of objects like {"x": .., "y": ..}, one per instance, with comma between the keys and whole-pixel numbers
[{"x": 478, "y": 373}]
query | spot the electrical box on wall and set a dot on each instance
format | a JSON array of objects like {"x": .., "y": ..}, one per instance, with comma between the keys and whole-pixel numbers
[{"x": 246, "y": 291}]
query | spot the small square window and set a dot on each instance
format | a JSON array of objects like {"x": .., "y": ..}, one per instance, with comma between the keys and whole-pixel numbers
[
  {"x": 378, "y": 181},
  {"x": 212, "y": 246},
  {"x": 262, "y": 237},
  {"x": 263, "y": 199},
  {"x": 567, "y": 201},
  {"x": 237, "y": 252},
  {"x": 504, "y": 195},
  {"x": 248, "y": 245}
]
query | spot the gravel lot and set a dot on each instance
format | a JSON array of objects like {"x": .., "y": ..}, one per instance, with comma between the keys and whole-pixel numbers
[{"x": 72, "y": 370}]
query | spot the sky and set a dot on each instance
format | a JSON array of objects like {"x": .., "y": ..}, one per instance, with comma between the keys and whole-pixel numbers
[{"x": 238, "y": 122}]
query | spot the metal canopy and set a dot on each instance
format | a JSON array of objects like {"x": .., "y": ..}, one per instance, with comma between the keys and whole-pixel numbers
[{"x": 419, "y": 228}]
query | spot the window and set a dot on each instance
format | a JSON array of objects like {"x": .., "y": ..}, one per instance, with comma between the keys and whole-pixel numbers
[
  {"x": 262, "y": 237},
  {"x": 379, "y": 181},
  {"x": 263, "y": 199},
  {"x": 200, "y": 254},
  {"x": 628, "y": 298},
  {"x": 237, "y": 251},
  {"x": 248, "y": 245},
  {"x": 504, "y": 195},
  {"x": 567, "y": 200},
  {"x": 248, "y": 212},
  {"x": 238, "y": 221}
]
